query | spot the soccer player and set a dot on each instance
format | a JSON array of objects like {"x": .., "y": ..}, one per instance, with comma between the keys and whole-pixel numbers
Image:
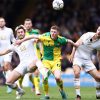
[
  {"x": 36, "y": 79},
  {"x": 6, "y": 37},
  {"x": 28, "y": 60},
  {"x": 52, "y": 43},
  {"x": 81, "y": 58}
]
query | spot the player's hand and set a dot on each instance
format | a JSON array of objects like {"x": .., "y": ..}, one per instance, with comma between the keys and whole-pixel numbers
[
  {"x": 71, "y": 57},
  {"x": 17, "y": 42},
  {"x": 36, "y": 40}
]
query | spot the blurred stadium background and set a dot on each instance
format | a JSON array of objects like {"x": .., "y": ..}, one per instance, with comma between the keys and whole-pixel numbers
[{"x": 77, "y": 17}]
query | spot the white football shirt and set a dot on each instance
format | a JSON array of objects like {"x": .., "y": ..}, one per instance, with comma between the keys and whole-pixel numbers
[
  {"x": 25, "y": 51},
  {"x": 85, "y": 50},
  {"x": 6, "y": 37}
]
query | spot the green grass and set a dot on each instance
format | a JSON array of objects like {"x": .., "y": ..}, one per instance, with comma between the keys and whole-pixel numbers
[{"x": 87, "y": 93}]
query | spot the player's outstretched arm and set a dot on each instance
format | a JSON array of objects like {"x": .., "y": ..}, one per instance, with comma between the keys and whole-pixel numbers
[
  {"x": 78, "y": 43},
  {"x": 27, "y": 38},
  {"x": 74, "y": 44},
  {"x": 72, "y": 54},
  {"x": 5, "y": 52},
  {"x": 31, "y": 37}
]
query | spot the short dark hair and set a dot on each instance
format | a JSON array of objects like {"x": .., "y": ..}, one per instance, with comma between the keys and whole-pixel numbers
[
  {"x": 55, "y": 27},
  {"x": 27, "y": 19},
  {"x": 2, "y": 17}
]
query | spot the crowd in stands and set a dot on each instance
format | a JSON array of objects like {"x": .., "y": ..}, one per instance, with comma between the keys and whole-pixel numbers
[{"x": 11, "y": 9}]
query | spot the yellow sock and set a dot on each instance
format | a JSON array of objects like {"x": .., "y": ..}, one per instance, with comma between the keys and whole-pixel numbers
[
  {"x": 20, "y": 82},
  {"x": 45, "y": 87},
  {"x": 60, "y": 84},
  {"x": 37, "y": 82},
  {"x": 32, "y": 80}
]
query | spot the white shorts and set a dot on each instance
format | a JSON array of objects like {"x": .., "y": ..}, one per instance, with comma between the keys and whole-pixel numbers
[
  {"x": 5, "y": 58},
  {"x": 86, "y": 64},
  {"x": 23, "y": 67}
]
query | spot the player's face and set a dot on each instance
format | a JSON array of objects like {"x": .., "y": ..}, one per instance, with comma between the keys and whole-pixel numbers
[
  {"x": 98, "y": 32},
  {"x": 20, "y": 33},
  {"x": 2, "y": 22},
  {"x": 28, "y": 25},
  {"x": 54, "y": 34}
]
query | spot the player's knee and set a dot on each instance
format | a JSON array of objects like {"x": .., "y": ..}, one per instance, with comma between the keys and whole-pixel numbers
[
  {"x": 98, "y": 87},
  {"x": 58, "y": 79},
  {"x": 7, "y": 66},
  {"x": 45, "y": 81},
  {"x": 13, "y": 86},
  {"x": 9, "y": 81},
  {"x": 36, "y": 73},
  {"x": 77, "y": 74},
  {"x": 97, "y": 78}
]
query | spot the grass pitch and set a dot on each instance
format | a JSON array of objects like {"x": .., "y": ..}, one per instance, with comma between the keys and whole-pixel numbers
[{"x": 87, "y": 93}]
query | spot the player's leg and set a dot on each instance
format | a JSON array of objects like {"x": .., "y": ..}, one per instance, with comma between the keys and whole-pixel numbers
[
  {"x": 37, "y": 82},
  {"x": 46, "y": 89},
  {"x": 19, "y": 82},
  {"x": 32, "y": 81},
  {"x": 13, "y": 77},
  {"x": 7, "y": 73},
  {"x": 36, "y": 77},
  {"x": 96, "y": 75},
  {"x": 8, "y": 68},
  {"x": 42, "y": 69},
  {"x": 91, "y": 69},
  {"x": 77, "y": 71},
  {"x": 77, "y": 63},
  {"x": 98, "y": 81},
  {"x": 57, "y": 73},
  {"x": 19, "y": 71},
  {"x": 45, "y": 84}
]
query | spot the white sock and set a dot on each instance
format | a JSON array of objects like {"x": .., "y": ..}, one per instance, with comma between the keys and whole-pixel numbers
[
  {"x": 98, "y": 88},
  {"x": 77, "y": 85},
  {"x": 42, "y": 69}
]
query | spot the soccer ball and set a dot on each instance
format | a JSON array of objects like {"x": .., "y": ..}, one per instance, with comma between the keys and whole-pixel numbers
[{"x": 57, "y": 4}]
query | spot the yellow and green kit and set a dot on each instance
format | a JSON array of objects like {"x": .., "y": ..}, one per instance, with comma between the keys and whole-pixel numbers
[{"x": 52, "y": 50}]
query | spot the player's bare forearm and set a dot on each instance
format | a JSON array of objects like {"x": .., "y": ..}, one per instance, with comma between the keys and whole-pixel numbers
[
  {"x": 31, "y": 37},
  {"x": 18, "y": 42},
  {"x": 4, "y": 52},
  {"x": 73, "y": 51},
  {"x": 74, "y": 44},
  {"x": 72, "y": 54}
]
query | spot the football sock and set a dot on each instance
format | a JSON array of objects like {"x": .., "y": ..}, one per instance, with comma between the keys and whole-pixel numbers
[{"x": 77, "y": 86}]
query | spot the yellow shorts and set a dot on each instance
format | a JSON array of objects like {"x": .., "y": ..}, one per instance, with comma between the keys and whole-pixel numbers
[{"x": 52, "y": 65}]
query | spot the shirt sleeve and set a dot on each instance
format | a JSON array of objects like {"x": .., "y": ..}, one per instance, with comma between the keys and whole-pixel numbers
[
  {"x": 12, "y": 36},
  {"x": 42, "y": 37},
  {"x": 63, "y": 40},
  {"x": 11, "y": 47}
]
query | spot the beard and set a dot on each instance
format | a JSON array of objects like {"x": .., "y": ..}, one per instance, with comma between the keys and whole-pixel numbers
[
  {"x": 20, "y": 37},
  {"x": 2, "y": 26}
]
